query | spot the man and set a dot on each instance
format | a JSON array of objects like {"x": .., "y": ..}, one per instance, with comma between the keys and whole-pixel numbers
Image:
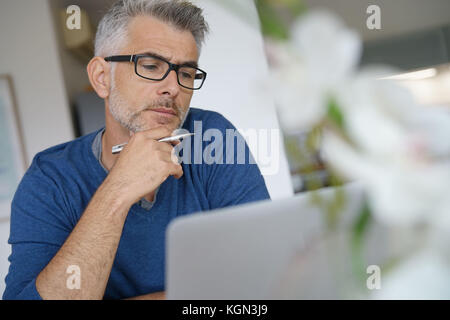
[{"x": 89, "y": 224}]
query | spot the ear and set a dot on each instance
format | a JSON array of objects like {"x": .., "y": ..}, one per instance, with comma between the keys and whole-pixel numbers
[{"x": 99, "y": 73}]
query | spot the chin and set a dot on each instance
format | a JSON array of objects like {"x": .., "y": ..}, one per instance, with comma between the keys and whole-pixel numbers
[
  {"x": 152, "y": 120},
  {"x": 161, "y": 122},
  {"x": 169, "y": 123}
]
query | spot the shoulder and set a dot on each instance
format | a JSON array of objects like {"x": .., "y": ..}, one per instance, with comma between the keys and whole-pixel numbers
[
  {"x": 60, "y": 156},
  {"x": 49, "y": 173}
]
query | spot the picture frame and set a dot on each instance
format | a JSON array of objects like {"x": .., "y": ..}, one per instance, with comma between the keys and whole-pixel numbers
[{"x": 13, "y": 161}]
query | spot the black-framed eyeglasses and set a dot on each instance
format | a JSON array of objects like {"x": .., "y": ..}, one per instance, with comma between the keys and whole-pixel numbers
[{"x": 157, "y": 69}]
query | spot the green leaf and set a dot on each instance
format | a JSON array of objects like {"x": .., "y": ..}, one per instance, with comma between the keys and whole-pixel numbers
[
  {"x": 362, "y": 223},
  {"x": 271, "y": 24},
  {"x": 358, "y": 233},
  {"x": 334, "y": 113},
  {"x": 296, "y": 7}
]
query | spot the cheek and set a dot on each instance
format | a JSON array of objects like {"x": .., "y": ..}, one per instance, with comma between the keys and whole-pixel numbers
[
  {"x": 186, "y": 100},
  {"x": 132, "y": 90}
]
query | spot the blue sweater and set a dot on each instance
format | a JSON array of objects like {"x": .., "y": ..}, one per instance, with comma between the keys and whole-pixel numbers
[{"x": 60, "y": 182}]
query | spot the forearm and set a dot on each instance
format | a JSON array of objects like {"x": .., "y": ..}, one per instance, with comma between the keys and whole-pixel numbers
[{"x": 91, "y": 246}]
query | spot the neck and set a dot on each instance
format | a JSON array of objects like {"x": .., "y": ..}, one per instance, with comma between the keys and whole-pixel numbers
[{"x": 114, "y": 134}]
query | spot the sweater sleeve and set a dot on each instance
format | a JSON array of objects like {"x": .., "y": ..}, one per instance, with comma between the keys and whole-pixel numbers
[{"x": 39, "y": 227}]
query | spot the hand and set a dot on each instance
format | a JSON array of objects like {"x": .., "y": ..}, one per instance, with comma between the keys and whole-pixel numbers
[{"x": 144, "y": 164}]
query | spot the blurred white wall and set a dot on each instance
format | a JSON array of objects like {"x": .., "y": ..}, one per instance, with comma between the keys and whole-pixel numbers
[
  {"x": 28, "y": 52},
  {"x": 234, "y": 58}
]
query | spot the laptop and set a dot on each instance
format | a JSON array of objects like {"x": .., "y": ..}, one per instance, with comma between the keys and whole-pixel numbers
[{"x": 282, "y": 249}]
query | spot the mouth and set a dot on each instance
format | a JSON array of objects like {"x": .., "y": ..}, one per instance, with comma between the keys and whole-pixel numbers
[{"x": 165, "y": 111}]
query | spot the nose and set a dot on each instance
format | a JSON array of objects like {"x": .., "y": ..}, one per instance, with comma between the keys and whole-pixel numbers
[{"x": 169, "y": 86}]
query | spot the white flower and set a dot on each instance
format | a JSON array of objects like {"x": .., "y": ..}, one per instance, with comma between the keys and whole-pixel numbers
[
  {"x": 331, "y": 51},
  {"x": 396, "y": 151},
  {"x": 323, "y": 53},
  {"x": 375, "y": 113},
  {"x": 300, "y": 103},
  {"x": 400, "y": 150}
]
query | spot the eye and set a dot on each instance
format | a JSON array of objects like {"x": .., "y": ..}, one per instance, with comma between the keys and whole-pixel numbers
[
  {"x": 186, "y": 75},
  {"x": 150, "y": 67}
]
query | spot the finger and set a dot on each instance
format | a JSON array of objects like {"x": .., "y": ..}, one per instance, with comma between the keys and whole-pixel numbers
[
  {"x": 165, "y": 147},
  {"x": 156, "y": 133},
  {"x": 177, "y": 171},
  {"x": 171, "y": 158},
  {"x": 169, "y": 153}
]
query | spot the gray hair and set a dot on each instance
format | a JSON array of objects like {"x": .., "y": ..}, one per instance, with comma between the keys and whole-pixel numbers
[{"x": 112, "y": 29}]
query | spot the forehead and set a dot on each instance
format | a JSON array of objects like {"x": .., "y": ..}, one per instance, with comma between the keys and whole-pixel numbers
[{"x": 148, "y": 34}]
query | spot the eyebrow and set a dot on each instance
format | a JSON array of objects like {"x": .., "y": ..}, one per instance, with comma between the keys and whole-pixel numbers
[{"x": 186, "y": 63}]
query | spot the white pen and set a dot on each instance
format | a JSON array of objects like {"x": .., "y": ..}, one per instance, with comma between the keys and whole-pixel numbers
[{"x": 116, "y": 149}]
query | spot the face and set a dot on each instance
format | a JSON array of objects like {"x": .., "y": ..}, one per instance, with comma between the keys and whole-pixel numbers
[{"x": 139, "y": 104}]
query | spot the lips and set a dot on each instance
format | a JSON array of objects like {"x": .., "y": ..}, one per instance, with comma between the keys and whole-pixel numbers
[{"x": 166, "y": 111}]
